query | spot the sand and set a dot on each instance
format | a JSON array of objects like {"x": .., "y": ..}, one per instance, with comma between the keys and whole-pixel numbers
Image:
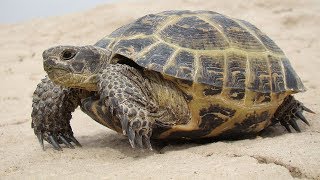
[{"x": 107, "y": 155}]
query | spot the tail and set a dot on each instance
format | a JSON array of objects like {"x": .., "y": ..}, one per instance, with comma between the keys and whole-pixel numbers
[{"x": 289, "y": 112}]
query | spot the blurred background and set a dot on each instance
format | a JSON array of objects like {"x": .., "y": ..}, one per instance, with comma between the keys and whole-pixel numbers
[{"x": 13, "y": 11}]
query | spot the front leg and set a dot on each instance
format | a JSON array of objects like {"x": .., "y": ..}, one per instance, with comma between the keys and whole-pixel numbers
[
  {"x": 51, "y": 114},
  {"x": 128, "y": 96}
]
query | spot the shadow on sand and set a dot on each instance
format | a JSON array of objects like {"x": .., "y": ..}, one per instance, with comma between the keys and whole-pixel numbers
[{"x": 120, "y": 143}]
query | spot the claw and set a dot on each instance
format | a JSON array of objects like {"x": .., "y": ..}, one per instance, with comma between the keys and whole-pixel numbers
[
  {"x": 300, "y": 116},
  {"x": 286, "y": 125},
  {"x": 138, "y": 140},
  {"x": 40, "y": 138},
  {"x": 131, "y": 136},
  {"x": 307, "y": 109},
  {"x": 53, "y": 141},
  {"x": 287, "y": 128},
  {"x": 146, "y": 141},
  {"x": 69, "y": 145},
  {"x": 75, "y": 141},
  {"x": 295, "y": 126},
  {"x": 114, "y": 103},
  {"x": 124, "y": 124}
]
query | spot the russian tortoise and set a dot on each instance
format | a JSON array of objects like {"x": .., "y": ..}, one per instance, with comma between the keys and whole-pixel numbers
[{"x": 171, "y": 75}]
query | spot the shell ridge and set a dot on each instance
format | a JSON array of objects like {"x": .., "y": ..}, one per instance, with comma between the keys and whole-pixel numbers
[
  {"x": 213, "y": 25},
  {"x": 246, "y": 98},
  {"x": 197, "y": 67},
  {"x": 170, "y": 61}
]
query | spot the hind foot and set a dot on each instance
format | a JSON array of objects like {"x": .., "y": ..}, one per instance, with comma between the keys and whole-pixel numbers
[{"x": 289, "y": 112}]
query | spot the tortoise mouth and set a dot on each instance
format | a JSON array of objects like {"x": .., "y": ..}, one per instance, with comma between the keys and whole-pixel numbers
[
  {"x": 67, "y": 79},
  {"x": 59, "y": 76},
  {"x": 50, "y": 65}
]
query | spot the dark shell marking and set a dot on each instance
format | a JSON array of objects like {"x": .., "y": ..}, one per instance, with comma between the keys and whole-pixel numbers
[
  {"x": 183, "y": 66},
  {"x": 260, "y": 76},
  {"x": 247, "y": 126},
  {"x": 157, "y": 57},
  {"x": 212, "y": 69},
  {"x": 213, "y": 90},
  {"x": 236, "y": 71},
  {"x": 276, "y": 75},
  {"x": 211, "y": 118}
]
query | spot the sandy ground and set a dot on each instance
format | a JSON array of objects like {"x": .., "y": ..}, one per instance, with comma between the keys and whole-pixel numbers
[{"x": 107, "y": 155}]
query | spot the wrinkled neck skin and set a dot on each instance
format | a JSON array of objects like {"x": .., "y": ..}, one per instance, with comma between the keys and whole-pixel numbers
[{"x": 169, "y": 98}]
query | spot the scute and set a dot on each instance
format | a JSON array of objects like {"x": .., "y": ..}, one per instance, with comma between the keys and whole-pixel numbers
[
  {"x": 259, "y": 77},
  {"x": 183, "y": 66},
  {"x": 236, "y": 70},
  {"x": 267, "y": 42},
  {"x": 194, "y": 33},
  {"x": 212, "y": 69},
  {"x": 237, "y": 35},
  {"x": 208, "y": 48},
  {"x": 293, "y": 82},
  {"x": 156, "y": 57},
  {"x": 146, "y": 25},
  {"x": 131, "y": 47},
  {"x": 277, "y": 76}
]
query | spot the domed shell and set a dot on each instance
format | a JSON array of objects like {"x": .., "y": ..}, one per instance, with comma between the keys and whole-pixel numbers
[{"x": 208, "y": 48}]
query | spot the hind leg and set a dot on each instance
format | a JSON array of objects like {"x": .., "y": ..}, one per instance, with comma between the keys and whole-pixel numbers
[
  {"x": 128, "y": 96},
  {"x": 289, "y": 112}
]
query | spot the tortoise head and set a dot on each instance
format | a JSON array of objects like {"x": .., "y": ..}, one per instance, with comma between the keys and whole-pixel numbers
[{"x": 75, "y": 66}]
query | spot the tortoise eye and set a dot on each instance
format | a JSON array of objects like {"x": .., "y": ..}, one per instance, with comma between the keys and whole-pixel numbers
[{"x": 68, "y": 54}]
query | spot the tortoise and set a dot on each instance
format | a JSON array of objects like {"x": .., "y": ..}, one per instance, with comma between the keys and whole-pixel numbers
[{"x": 171, "y": 75}]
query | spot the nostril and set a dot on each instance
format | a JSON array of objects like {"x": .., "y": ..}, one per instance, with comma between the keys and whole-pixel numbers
[
  {"x": 68, "y": 54},
  {"x": 49, "y": 64}
]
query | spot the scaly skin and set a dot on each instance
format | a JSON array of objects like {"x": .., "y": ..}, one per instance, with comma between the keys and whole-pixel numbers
[
  {"x": 128, "y": 96},
  {"x": 51, "y": 114}
]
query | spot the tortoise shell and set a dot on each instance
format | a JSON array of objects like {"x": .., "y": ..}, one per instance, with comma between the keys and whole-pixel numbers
[
  {"x": 205, "y": 47},
  {"x": 234, "y": 76}
]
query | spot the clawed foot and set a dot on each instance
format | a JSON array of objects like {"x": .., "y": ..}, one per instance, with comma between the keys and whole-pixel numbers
[
  {"x": 294, "y": 117},
  {"x": 52, "y": 106},
  {"x": 57, "y": 138},
  {"x": 138, "y": 132},
  {"x": 292, "y": 111}
]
